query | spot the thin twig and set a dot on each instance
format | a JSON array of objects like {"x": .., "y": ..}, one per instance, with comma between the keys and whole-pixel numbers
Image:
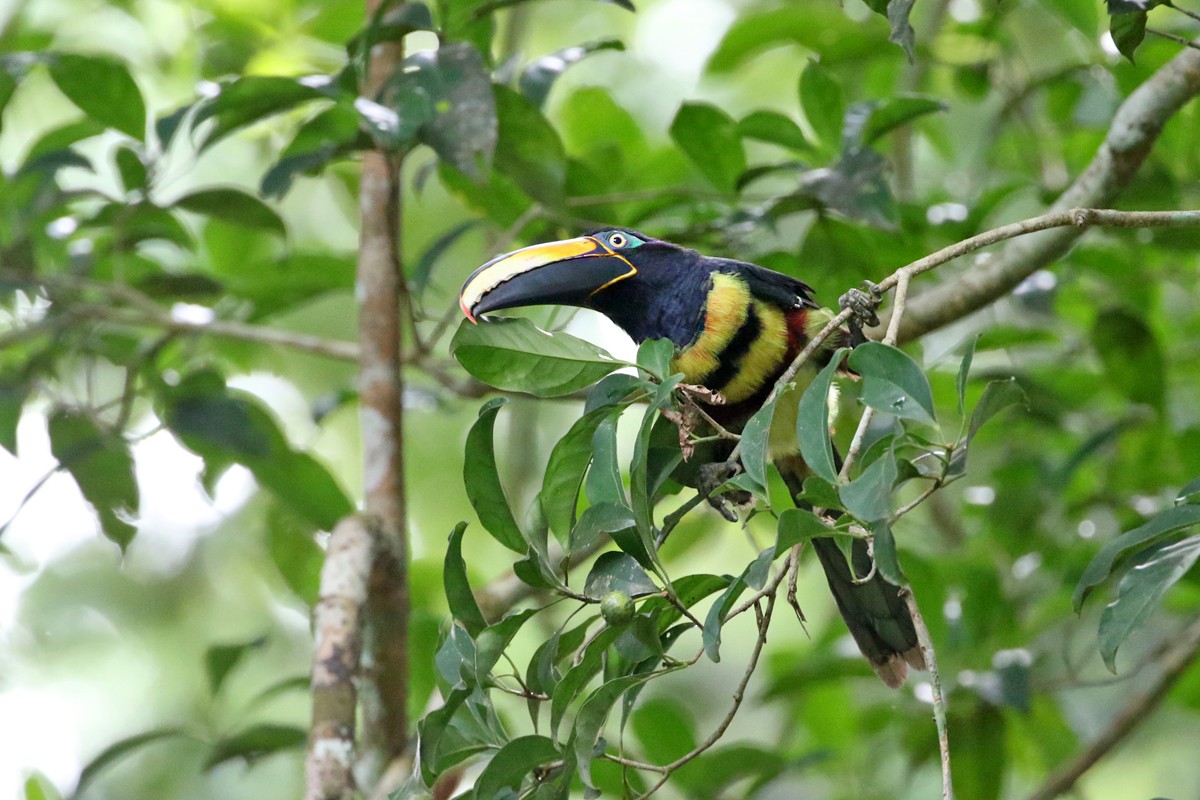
[
  {"x": 1186, "y": 12},
  {"x": 1174, "y": 663},
  {"x": 739, "y": 694},
  {"x": 921, "y": 498},
  {"x": 935, "y": 682},
  {"x": 1172, "y": 37}
]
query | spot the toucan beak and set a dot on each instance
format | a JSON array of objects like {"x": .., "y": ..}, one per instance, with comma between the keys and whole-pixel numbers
[{"x": 567, "y": 272}]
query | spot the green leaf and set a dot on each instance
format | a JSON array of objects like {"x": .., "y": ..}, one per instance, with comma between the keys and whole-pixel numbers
[
  {"x": 654, "y": 356},
  {"x": 997, "y": 396},
  {"x": 812, "y": 421},
  {"x": 103, "y": 89},
  {"x": 226, "y": 426},
  {"x": 249, "y": 99},
  {"x": 887, "y": 115},
  {"x": 13, "y": 392},
  {"x": 754, "y": 442},
  {"x": 594, "y": 712},
  {"x": 235, "y": 207},
  {"x": 291, "y": 543},
  {"x": 887, "y": 562},
  {"x": 709, "y": 137},
  {"x": 220, "y": 660},
  {"x": 598, "y": 519},
  {"x": 119, "y": 749},
  {"x": 964, "y": 372},
  {"x": 773, "y": 127},
  {"x": 603, "y": 481},
  {"x": 482, "y": 481},
  {"x": 641, "y": 492},
  {"x": 797, "y": 526},
  {"x": 855, "y": 187},
  {"x": 618, "y": 572},
  {"x": 1141, "y": 591},
  {"x": 897, "y": 13},
  {"x": 256, "y": 742},
  {"x": 1189, "y": 493},
  {"x": 528, "y": 149},
  {"x": 1132, "y": 357},
  {"x": 869, "y": 496},
  {"x": 422, "y": 273},
  {"x": 578, "y": 675},
  {"x": 432, "y": 729},
  {"x": 331, "y": 134},
  {"x": 492, "y": 641},
  {"x": 515, "y": 355},
  {"x": 892, "y": 382},
  {"x": 461, "y": 599},
  {"x": 449, "y": 93},
  {"x": 38, "y": 786},
  {"x": 564, "y": 474},
  {"x": 822, "y": 104},
  {"x": 102, "y": 466},
  {"x": 1156, "y": 528},
  {"x": 715, "y": 619},
  {"x": 540, "y": 74},
  {"x": 514, "y": 763}
]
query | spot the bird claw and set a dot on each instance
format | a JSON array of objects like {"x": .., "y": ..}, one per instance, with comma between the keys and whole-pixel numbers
[
  {"x": 863, "y": 303},
  {"x": 712, "y": 477}
]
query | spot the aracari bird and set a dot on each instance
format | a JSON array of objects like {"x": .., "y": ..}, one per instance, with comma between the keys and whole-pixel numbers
[{"x": 736, "y": 327}]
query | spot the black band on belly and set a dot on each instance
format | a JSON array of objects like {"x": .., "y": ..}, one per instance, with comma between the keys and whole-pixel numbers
[{"x": 730, "y": 359}]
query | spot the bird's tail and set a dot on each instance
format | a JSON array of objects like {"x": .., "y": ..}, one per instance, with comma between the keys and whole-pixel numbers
[{"x": 874, "y": 610}]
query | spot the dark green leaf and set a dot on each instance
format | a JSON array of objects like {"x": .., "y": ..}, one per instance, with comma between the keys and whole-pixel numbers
[
  {"x": 256, "y": 742},
  {"x": 250, "y": 99},
  {"x": 773, "y": 127},
  {"x": 331, "y": 134},
  {"x": 1156, "y": 528},
  {"x": 581, "y": 671},
  {"x": 1141, "y": 591},
  {"x": 235, "y": 207},
  {"x": 431, "y": 730},
  {"x": 463, "y": 607},
  {"x": 103, "y": 89},
  {"x": 868, "y": 497},
  {"x": 641, "y": 492},
  {"x": 118, "y": 750},
  {"x": 812, "y": 422},
  {"x": 538, "y": 76},
  {"x": 1132, "y": 358},
  {"x": 709, "y": 137},
  {"x": 612, "y": 389},
  {"x": 754, "y": 443},
  {"x": 220, "y": 659},
  {"x": 490, "y": 644},
  {"x": 892, "y": 382},
  {"x": 1128, "y": 30},
  {"x": 391, "y": 22},
  {"x": 131, "y": 168},
  {"x": 1188, "y": 494},
  {"x": 482, "y": 481},
  {"x": 514, "y": 763},
  {"x": 291, "y": 542},
  {"x": 618, "y": 572},
  {"x": 515, "y": 355},
  {"x": 897, "y": 13},
  {"x": 822, "y": 104},
  {"x": 102, "y": 466}
]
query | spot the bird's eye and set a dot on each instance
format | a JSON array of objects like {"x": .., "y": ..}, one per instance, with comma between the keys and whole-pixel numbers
[{"x": 618, "y": 240}]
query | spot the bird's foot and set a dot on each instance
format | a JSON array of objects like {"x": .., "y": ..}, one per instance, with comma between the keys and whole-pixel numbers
[
  {"x": 863, "y": 303},
  {"x": 712, "y": 477}
]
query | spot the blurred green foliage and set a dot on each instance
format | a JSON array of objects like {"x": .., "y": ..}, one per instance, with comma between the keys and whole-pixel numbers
[{"x": 177, "y": 230}]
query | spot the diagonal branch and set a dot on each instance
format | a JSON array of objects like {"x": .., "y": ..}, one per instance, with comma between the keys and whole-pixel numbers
[
  {"x": 1174, "y": 663},
  {"x": 1134, "y": 129}
]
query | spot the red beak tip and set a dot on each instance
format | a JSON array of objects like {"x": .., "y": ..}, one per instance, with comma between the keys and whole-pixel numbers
[{"x": 467, "y": 312}]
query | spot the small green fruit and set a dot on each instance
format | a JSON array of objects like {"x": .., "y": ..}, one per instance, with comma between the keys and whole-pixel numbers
[{"x": 617, "y": 608}]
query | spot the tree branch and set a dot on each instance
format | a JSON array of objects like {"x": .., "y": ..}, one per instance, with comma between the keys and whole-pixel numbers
[
  {"x": 337, "y": 625},
  {"x": 1134, "y": 129},
  {"x": 1174, "y": 663},
  {"x": 382, "y": 297}
]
